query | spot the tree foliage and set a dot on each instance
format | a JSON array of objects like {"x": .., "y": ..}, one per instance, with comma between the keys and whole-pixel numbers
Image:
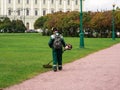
[
  {"x": 69, "y": 22},
  {"x": 11, "y": 26}
]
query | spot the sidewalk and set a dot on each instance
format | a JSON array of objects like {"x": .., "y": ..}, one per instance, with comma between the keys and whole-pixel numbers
[{"x": 98, "y": 71}]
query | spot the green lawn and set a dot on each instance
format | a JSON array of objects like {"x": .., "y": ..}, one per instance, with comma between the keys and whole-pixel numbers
[{"x": 22, "y": 55}]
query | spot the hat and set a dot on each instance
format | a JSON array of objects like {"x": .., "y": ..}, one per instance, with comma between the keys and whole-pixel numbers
[{"x": 54, "y": 29}]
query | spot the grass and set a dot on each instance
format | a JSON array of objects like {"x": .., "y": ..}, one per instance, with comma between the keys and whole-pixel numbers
[{"x": 23, "y": 54}]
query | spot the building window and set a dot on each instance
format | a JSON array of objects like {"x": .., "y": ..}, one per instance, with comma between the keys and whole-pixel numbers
[
  {"x": 52, "y": 11},
  {"x": 18, "y": 12},
  {"x": 44, "y": 12},
  {"x": 68, "y": 2},
  {"x": 9, "y": 1},
  {"x": 9, "y": 12},
  {"x": 35, "y": 1},
  {"x": 44, "y": 1},
  {"x": 52, "y": 1},
  {"x": 27, "y": 12},
  {"x": 76, "y": 2},
  {"x": 18, "y": 1},
  {"x": 36, "y": 12},
  {"x": 27, "y": 25},
  {"x": 60, "y": 2},
  {"x": 27, "y": 1}
]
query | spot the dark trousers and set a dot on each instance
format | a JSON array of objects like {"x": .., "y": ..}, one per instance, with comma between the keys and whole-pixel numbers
[{"x": 57, "y": 57}]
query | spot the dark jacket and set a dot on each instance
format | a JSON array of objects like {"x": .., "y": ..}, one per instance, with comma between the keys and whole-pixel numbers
[{"x": 52, "y": 38}]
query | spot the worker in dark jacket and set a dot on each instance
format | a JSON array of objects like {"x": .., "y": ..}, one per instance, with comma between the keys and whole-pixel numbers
[{"x": 56, "y": 50}]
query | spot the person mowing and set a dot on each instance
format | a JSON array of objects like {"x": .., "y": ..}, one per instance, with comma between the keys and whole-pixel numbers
[{"x": 57, "y": 43}]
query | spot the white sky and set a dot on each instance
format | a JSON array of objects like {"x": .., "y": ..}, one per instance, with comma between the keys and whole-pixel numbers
[{"x": 94, "y": 5}]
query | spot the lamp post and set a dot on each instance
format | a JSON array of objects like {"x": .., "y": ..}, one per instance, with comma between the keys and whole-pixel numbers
[
  {"x": 81, "y": 27},
  {"x": 113, "y": 23},
  {"x": 14, "y": 13},
  {"x": 24, "y": 11},
  {"x": 24, "y": 16}
]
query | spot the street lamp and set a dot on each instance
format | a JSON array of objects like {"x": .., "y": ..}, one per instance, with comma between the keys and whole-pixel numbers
[
  {"x": 14, "y": 13},
  {"x": 24, "y": 11},
  {"x": 81, "y": 27},
  {"x": 113, "y": 23}
]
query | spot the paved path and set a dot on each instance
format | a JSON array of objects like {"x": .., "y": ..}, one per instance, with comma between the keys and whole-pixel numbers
[{"x": 98, "y": 71}]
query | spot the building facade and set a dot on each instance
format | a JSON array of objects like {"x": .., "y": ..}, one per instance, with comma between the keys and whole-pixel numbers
[{"x": 30, "y": 10}]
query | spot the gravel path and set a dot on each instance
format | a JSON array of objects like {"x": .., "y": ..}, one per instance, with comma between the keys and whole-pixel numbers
[{"x": 98, "y": 71}]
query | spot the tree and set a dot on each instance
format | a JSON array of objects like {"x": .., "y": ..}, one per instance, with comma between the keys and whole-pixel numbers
[
  {"x": 39, "y": 23},
  {"x": 12, "y": 26},
  {"x": 6, "y": 25},
  {"x": 99, "y": 23},
  {"x": 18, "y": 26},
  {"x": 117, "y": 20}
]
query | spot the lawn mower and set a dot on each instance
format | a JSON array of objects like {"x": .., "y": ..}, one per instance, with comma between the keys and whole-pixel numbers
[{"x": 67, "y": 47}]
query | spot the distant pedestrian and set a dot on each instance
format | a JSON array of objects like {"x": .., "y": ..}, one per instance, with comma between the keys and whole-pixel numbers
[{"x": 57, "y": 43}]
